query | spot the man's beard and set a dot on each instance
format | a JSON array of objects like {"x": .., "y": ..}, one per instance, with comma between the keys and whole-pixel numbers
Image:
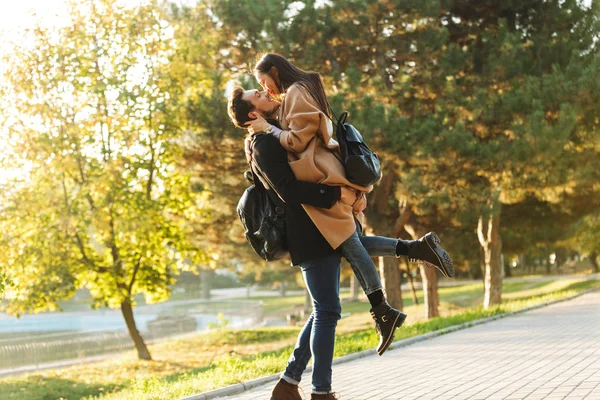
[{"x": 271, "y": 114}]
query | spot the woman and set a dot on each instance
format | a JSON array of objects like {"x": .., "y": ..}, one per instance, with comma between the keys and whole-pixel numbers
[{"x": 307, "y": 135}]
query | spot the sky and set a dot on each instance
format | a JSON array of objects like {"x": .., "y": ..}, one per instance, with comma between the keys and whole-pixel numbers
[{"x": 15, "y": 15}]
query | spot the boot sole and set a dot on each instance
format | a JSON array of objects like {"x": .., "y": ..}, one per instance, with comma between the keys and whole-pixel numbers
[
  {"x": 442, "y": 255},
  {"x": 398, "y": 323}
]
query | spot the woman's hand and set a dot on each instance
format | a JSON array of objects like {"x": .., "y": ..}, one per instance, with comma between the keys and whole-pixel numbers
[
  {"x": 348, "y": 196},
  {"x": 258, "y": 125},
  {"x": 248, "y": 148},
  {"x": 353, "y": 198},
  {"x": 360, "y": 204}
]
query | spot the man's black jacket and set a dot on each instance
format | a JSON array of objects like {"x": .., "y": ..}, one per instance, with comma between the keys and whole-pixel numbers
[{"x": 305, "y": 242}]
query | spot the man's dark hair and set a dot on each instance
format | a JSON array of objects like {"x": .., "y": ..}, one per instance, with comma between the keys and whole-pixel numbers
[{"x": 238, "y": 108}]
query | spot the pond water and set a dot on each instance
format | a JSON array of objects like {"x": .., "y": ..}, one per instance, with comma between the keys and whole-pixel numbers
[
  {"x": 238, "y": 315},
  {"x": 108, "y": 321}
]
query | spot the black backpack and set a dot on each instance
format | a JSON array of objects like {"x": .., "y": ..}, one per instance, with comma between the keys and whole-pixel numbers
[
  {"x": 360, "y": 163},
  {"x": 262, "y": 215}
]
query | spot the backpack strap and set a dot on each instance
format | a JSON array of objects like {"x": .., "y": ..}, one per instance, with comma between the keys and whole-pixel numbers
[{"x": 259, "y": 172}]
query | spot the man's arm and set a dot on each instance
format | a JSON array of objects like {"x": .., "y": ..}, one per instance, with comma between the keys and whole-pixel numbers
[{"x": 272, "y": 160}]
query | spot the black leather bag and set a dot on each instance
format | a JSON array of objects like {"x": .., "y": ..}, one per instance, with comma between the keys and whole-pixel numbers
[
  {"x": 263, "y": 218},
  {"x": 361, "y": 165}
]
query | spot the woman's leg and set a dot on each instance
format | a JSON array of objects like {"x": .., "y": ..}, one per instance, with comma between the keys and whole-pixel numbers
[
  {"x": 360, "y": 260},
  {"x": 379, "y": 246},
  {"x": 428, "y": 249},
  {"x": 322, "y": 279},
  {"x": 387, "y": 319}
]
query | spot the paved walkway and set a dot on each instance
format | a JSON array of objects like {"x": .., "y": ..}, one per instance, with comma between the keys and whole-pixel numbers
[{"x": 548, "y": 353}]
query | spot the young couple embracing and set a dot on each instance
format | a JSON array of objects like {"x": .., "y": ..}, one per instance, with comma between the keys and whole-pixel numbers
[{"x": 291, "y": 139}]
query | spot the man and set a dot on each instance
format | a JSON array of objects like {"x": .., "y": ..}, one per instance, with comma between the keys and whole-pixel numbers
[{"x": 319, "y": 263}]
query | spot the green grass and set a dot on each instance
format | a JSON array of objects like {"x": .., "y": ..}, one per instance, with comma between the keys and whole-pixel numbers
[{"x": 205, "y": 362}]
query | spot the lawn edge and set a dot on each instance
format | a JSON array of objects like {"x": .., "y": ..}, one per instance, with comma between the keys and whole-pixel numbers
[{"x": 245, "y": 386}]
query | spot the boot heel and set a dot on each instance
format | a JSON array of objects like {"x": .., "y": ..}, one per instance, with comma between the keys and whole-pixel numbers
[{"x": 401, "y": 319}]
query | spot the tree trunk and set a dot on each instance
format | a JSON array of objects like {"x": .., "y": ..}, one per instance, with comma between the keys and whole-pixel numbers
[
  {"x": 354, "y": 288},
  {"x": 482, "y": 263},
  {"x": 488, "y": 231},
  {"x": 430, "y": 290},
  {"x": 428, "y": 276},
  {"x": 507, "y": 270},
  {"x": 521, "y": 262},
  {"x": 594, "y": 260},
  {"x": 560, "y": 260},
  {"x": 138, "y": 340},
  {"x": 205, "y": 275},
  {"x": 411, "y": 281},
  {"x": 389, "y": 269},
  {"x": 282, "y": 286}
]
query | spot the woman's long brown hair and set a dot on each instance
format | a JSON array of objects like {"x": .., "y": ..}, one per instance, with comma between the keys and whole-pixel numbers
[{"x": 288, "y": 74}]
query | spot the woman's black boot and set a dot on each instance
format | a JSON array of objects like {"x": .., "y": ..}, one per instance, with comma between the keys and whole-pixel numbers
[
  {"x": 429, "y": 250},
  {"x": 387, "y": 319}
]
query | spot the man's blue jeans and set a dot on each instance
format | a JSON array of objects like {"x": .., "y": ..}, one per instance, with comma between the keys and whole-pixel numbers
[{"x": 317, "y": 337}]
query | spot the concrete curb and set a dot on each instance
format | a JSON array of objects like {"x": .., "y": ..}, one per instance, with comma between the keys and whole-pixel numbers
[{"x": 245, "y": 386}]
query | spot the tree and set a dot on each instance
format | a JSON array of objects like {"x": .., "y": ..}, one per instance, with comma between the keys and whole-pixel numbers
[
  {"x": 483, "y": 115},
  {"x": 479, "y": 105},
  {"x": 102, "y": 205},
  {"x": 587, "y": 238}
]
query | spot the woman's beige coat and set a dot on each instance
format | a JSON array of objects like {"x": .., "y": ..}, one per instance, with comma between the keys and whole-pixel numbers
[{"x": 308, "y": 137}]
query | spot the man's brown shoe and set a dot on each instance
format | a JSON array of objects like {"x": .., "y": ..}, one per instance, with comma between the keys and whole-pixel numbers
[
  {"x": 285, "y": 391},
  {"x": 328, "y": 396}
]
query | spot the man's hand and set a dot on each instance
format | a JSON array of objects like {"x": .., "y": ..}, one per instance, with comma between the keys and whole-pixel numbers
[{"x": 258, "y": 125}]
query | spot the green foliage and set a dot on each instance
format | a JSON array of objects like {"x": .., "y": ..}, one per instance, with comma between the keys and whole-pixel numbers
[
  {"x": 474, "y": 103},
  {"x": 102, "y": 205},
  {"x": 4, "y": 282}
]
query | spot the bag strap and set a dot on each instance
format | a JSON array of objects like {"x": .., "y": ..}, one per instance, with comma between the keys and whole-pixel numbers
[
  {"x": 340, "y": 121},
  {"x": 260, "y": 173}
]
